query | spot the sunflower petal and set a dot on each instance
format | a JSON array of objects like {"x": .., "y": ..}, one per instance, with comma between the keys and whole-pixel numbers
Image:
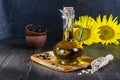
[
  {"x": 110, "y": 19},
  {"x": 99, "y": 19},
  {"x": 104, "y": 20}
]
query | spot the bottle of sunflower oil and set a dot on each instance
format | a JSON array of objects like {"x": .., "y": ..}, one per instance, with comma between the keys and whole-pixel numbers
[{"x": 68, "y": 51}]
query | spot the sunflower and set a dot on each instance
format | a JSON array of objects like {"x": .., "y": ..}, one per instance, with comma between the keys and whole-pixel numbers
[
  {"x": 89, "y": 35},
  {"x": 109, "y": 29}
]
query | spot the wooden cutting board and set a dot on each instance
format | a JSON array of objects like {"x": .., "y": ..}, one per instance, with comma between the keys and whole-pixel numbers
[{"x": 49, "y": 60}]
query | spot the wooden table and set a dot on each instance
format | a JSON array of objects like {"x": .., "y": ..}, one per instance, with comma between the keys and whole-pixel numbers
[{"x": 15, "y": 63}]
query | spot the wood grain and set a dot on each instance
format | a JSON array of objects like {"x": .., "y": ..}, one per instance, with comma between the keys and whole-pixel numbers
[
  {"x": 15, "y": 63},
  {"x": 50, "y": 62}
]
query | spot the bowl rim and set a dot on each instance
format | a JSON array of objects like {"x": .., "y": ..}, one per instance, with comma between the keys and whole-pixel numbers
[{"x": 35, "y": 33}]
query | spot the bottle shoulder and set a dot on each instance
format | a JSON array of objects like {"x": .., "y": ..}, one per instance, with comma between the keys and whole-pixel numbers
[{"x": 68, "y": 44}]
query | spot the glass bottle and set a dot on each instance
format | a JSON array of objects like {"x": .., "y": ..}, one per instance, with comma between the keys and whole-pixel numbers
[{"x": 68, "y": 51}]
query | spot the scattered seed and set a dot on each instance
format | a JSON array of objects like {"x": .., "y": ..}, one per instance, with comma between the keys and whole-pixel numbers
[
  {"x": 47, "y": 53},
  {"x": 48, "y": 59},
  {"x": 80, "y": 73},
  {"x": 88, "y": 70},
  {"x": 37, "y": 56},
  {"x": 45, "y": 56},
  {"x": 55, "y": 64},
  {"x": 83, "y": 71}
]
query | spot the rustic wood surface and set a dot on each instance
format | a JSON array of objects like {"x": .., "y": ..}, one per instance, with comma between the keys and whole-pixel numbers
[
  {"x": 15, "y": 63},
  {"x": 50, "y": 62}
]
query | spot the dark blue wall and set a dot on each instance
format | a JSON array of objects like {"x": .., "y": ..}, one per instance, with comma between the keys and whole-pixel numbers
[
  {"x": 5, "y": 25},
  {"x": 15, "y": 14}
]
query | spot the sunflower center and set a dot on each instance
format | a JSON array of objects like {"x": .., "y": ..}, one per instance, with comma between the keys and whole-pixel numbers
[
  {"x": 106, "y": 33},
  {"x": 86, "y": 34}
]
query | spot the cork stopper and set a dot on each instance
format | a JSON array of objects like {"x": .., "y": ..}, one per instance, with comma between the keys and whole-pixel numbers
[
  {"x": 67, "y": 12},
  {"x": 68, "y": 9}
]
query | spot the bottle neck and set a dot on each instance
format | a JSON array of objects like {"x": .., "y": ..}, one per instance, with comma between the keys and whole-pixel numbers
[{"x": 68, "y": 29}]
